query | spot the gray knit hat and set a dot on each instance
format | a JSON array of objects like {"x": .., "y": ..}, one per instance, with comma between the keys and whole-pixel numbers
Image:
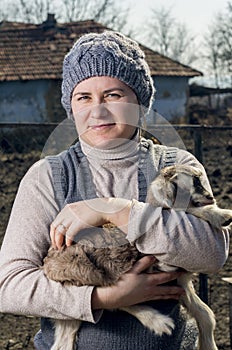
[{"x": 107, "y": 54}]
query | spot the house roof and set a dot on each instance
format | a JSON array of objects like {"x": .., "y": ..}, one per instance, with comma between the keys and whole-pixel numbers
[{"x": 32, "y": 51}]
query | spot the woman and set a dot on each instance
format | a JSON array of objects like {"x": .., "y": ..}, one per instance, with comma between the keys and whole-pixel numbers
[{"x": 103, "y": 178}]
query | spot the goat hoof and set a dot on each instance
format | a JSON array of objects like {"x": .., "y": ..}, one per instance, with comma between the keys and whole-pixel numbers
[
  {"x": 158, "y": 323},
  {"x": 164, "y": 325}
]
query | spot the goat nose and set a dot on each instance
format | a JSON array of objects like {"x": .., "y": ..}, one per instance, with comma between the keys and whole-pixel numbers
[{"x": 209, "y": 197}]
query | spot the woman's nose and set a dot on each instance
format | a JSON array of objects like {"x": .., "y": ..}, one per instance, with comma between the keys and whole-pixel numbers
[{"x": 99, "y": 110}]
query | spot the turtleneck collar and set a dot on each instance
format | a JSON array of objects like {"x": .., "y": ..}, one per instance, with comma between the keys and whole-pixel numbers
[{"x": 125, "y": 150}]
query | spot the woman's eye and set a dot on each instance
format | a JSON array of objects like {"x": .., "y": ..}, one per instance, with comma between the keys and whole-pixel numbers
[
  {"x": 113, "y": 96},
  {"x": 83, "y": 98}
]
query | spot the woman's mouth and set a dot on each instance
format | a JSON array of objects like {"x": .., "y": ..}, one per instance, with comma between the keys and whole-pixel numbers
[{"x": 101, "y": 126}]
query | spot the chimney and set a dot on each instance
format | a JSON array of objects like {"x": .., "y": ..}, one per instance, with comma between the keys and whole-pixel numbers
[{"x": 50, "y": 21}]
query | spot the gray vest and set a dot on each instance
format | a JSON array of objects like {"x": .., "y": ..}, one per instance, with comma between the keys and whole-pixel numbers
[
  {"x": 72, "y": 177},
  {"x": 116, "y": 330}
]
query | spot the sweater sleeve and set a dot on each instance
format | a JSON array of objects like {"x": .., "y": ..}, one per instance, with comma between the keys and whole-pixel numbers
[
  {"x": 24, "y": 289},
  {"x": 178, "y": 238}
]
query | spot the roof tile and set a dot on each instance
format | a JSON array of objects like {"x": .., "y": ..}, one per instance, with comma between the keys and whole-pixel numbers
[{"x": 30, "y": 51}]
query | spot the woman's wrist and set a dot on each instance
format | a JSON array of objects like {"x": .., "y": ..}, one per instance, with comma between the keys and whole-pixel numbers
[
  {"x": 118, "y": 212},
  {"x": 100, "y": 298}
]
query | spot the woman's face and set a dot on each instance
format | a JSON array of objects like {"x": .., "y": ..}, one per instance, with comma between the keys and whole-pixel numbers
[{"x": 105, "y": 110}]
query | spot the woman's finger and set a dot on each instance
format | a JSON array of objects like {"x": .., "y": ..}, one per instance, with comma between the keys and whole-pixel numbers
[
  {"x": 164, "y": 277},
  {"x": 57, "y": 235},
  {"x": 143, "y": 264},
  {"x": 52, "y": 235},
  {"x": 168, "y": 291},
  {"x": 71, "y": 232},
  {"x": 68, "y": 241},
  {"x": 168, "y": 296}
]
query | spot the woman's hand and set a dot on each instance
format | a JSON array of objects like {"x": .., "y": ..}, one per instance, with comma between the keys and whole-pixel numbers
[
  {"x": 136, "y": 287},
  {"x": 85, "y": 214}
]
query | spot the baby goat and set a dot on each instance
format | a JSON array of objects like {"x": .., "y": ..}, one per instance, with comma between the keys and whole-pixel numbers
[
  {"x": 177, "y": 187},
  {"x": 180, "y": 187}
]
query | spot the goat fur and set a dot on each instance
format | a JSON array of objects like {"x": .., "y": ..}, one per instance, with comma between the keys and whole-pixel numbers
[{"x": 179, "y": 187}]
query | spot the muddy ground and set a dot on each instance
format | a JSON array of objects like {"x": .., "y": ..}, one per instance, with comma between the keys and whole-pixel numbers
[{"x": 16, "y": 332}]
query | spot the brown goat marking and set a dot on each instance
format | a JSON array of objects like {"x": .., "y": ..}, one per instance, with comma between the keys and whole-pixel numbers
[{"x": 86, "y": 265}]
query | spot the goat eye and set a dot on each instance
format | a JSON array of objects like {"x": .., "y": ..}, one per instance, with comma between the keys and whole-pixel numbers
[
  {"x": 175, "y": 189},
  {"x": 196, "y": 181}
]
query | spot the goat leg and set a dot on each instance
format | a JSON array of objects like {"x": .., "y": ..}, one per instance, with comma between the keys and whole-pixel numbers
[
  {"x": 215, "y": 216},
  {"x": 151, "y": 318},
  {"x": 66, "y": 334},
  {"x": 203, "y": 315}
]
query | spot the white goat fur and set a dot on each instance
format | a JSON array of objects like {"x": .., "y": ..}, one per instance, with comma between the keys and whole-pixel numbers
[{"x": 177, "y": 187}]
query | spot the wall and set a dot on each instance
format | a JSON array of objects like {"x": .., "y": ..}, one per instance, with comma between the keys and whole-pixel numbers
[
  {"x": 171, "y": 96},
  {"x": 30, "y": 101}
]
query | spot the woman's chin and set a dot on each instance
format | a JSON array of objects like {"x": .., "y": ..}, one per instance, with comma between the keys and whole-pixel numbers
[
  {"x": 108, "y": 143},
  {"x": 107, "y": 139}
]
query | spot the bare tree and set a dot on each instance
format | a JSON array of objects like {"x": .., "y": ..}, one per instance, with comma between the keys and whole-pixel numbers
[
  {"x": 32, "y": 11},
  {"x": 183, "y": 46},
  {"x": 160, "y": 29},
  {"x": 39, "y": 8},
  {"x": 169, "y": 37},
  {"x": 218, "y": 43},
  {"x": 106, "y": 12},
  {"x": 75, "y": 10},
  {"x": 212, "y": 52},
  {"x": 115, "y": 17},
  {"x": 3, "y": 13},
  {"x": 9, "y": 10},
  {"x": 225, "y": 37}
]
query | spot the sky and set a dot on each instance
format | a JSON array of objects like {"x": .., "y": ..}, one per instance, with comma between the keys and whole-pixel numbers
[{"x": 197, "y": 14}]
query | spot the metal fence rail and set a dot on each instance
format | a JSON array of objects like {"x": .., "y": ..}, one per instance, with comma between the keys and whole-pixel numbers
[{"x": 195, "y": 130}]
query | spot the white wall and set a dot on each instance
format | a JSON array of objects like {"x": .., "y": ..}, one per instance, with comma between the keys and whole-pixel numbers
[
  {"x": 171, "y": 96},
  {"x": 23, "y": 101}
]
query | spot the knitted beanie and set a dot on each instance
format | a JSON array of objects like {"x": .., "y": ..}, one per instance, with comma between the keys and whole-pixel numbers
[{"x": 107, "y": 54}]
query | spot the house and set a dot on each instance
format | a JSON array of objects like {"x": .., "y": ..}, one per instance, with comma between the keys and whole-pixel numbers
[{"x": 31, "y": 59}]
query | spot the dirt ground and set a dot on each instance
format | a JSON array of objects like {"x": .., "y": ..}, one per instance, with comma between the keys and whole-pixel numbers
[{"x": 16, "y": 332}]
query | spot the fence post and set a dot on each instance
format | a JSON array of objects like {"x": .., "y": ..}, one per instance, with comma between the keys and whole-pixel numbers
[
  {"x": 229, "y": 281},
  {"x": 203, "y": 278},
  {"x": 198, "y": 144}
]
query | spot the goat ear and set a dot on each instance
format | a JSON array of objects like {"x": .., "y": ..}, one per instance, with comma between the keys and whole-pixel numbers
[
  {"x": 168, "y": 172},
  {"x": 160, "y": 195},
  {"x": 166, "y": 196},
  {"x": 195, "y": 171},
  {"x": 173, "y": 178}
]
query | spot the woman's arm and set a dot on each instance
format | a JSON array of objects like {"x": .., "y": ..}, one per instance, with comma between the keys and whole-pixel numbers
[
  {"x": 24, "y": 289},
  {"x": 175, "y": 238},
  {"x": 178, "y": 238}
]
